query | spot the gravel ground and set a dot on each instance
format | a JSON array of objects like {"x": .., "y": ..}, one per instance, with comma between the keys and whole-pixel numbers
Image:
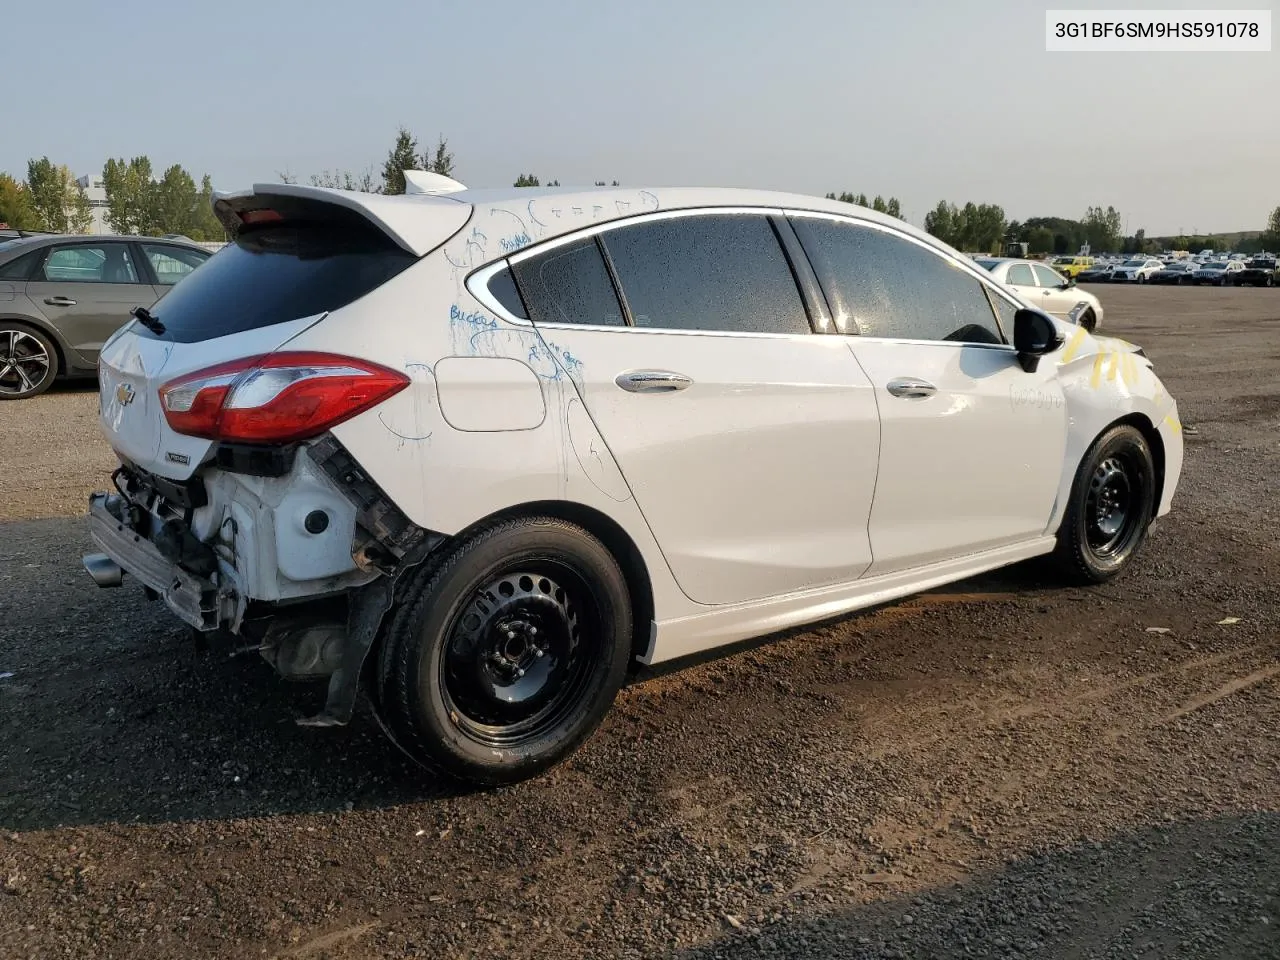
[{"x": 1004, "y": 768}]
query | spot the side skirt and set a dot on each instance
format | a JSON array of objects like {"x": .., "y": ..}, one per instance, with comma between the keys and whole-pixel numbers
[{"x": 719, "y": 626}]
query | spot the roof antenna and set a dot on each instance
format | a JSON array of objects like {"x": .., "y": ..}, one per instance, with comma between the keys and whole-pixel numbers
[{"x": 423, "y": 182}]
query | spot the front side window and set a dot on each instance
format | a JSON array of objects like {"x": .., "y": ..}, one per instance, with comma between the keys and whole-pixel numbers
[
  {"x": 569, "y": 284},
  {"x": 1020, "y": 275},
  {"x": 170, "y": 263},
  {"x": 723, "y": 273},
  {"x": 1047, "y": 277},
  {"x": 89, "y": 263},
  {"x": 889, "y": 286}
]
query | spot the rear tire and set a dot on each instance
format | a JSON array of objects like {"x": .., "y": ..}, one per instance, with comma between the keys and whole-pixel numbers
[
  {"x": 28, "y": 361},
  {"x": 508, "y": 653},
  {"x": 1111, "y": 506}
]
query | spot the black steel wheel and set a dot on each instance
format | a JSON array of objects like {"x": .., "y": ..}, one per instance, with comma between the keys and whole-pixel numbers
[
  {"x": 509, "y": 651},
  {"x": 1113, "y": 500},
  {"x": 519, "y": 652},
  {"x": 28, "y": 361}
]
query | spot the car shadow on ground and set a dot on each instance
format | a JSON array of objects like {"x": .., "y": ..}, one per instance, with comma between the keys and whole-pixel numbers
[
  {"x": 1185, "y": 889},
  {"x": 111, "y": 712}
]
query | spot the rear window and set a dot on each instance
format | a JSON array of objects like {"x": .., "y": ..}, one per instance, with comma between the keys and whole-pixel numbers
[{"x": 276, "y": 274}]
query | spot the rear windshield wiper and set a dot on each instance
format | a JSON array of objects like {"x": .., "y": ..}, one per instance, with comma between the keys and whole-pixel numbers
[{"x": 147, "y": 319}]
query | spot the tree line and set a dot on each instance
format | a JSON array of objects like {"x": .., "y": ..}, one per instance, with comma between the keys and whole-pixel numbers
[
  {"x": 139, "y": 202},
  {"x": 47, "y": 200}
]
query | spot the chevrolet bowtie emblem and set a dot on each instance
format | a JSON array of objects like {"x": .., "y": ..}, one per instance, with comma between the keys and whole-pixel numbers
[{"x": 125, "y": 394}]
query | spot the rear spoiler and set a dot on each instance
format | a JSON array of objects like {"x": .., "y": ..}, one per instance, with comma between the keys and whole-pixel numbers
[{"x": 419, "y": 221}]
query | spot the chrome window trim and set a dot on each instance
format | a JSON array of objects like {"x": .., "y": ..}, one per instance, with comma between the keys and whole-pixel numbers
[{"x": 477, "y": 283}]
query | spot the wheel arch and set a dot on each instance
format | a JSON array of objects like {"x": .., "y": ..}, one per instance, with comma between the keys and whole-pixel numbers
[{"x": 615, "y": 539}]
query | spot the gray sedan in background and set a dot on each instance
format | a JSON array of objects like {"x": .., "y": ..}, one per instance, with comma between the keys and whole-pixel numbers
[{"x": 61, "y": 297}]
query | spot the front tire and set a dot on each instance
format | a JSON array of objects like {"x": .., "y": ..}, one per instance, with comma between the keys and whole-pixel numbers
[
  {"x": 1111, "y": 506},
  {"x": 28, "y": 361},
  {"x": 510, "y": 653}
]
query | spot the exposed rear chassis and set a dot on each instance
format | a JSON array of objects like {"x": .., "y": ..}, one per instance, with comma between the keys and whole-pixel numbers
[
  {"x": 385, "y": 540},
  {"x": 196, "y": 600}
]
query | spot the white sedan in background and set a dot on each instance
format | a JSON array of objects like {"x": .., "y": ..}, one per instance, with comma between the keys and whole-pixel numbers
[{"x": 1041, "y": 286}]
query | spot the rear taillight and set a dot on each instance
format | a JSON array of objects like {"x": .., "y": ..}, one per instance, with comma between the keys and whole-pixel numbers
[{"x": 278, "y": 398}]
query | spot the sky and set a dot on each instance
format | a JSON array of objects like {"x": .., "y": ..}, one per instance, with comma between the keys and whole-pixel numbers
[{"x": 920, "y": 99}]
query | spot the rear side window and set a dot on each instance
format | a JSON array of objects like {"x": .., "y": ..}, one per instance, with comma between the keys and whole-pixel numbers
[
  {"x": 569, "y": 284},
  {"x": 21, "y": 268},
  {"x": 170, "y": 264},
  {"x": 719, "y": 272},
  {"x": 502, "y": 285},
  {"x": 276, "y": 274},
  {"x": 1020, "y": 275},
  {"x": 887, "y": 286}
]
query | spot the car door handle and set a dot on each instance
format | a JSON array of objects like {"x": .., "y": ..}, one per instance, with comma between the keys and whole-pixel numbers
[
  {"x": 911, "y": 388},
  {"x": 652, "y": 381},
  {"x": 59, "y": 301}
]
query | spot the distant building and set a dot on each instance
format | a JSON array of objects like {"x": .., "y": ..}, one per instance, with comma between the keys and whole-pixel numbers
[{"x": 93, "y": 188}]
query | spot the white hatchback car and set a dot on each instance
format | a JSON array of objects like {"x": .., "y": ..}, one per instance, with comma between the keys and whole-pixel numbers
[
  {"x": 481, "y": 451},
  {"x": 1040, "y": 286}
]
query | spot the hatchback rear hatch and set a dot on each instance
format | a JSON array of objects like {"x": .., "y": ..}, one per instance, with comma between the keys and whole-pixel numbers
[{"x": 297, "y": 253}]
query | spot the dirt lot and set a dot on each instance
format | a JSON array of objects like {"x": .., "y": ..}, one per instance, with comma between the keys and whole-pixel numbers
[{"x": 1001, "y": 769}]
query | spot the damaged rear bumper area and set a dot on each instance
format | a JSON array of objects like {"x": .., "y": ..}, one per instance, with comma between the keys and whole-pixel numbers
[
  {"x": 116, "y": 526},
  {"x": 299, "y": 556}
]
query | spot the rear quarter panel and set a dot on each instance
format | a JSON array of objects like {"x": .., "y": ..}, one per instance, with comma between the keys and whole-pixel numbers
[{"x": 448, "y": 467}]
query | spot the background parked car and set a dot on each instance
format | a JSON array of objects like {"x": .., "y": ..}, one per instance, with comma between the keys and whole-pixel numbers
[
  {"x": 1041, "y": 287},
  {"x": 1072, "y": 266},
  {"x": 1100, "y": 272},
  {"x": 1137, "y": 270},
  {"x": 61, "y": 297},
  {"x": 1222, "y": 273},
  {"x": 1180, "y": 272},
  {"x": 1258, "y": 272}
]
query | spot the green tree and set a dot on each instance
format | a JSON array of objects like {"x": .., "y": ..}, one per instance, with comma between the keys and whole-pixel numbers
[
  {"x": 940, "y": 222},
  {"x": 15, "y": 204},
  {"x": 346, "y": 180},
  {"x": 1273, "y": 223},
  {"x": 530, "y": 180},
  {"x": 1103, "y": 229},
  {"x": 130, "y": 195},
  {"x": 1040, "y": 240},
  {"x": 173, "y": 203},
  {"x": 601, "y": 183},
  {"x": 402, "y": 156},
  {"x": 57, "y": 203},
  {"x": 206, "y": 225},
  {"x": 139, "y": 204},
  {"x": 441, "y": 160}
]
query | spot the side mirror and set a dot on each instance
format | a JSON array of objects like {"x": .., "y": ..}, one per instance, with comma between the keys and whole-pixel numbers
[
  {"x": 1068, "y": 283},
  {"x": 1034, "y": 335}
]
